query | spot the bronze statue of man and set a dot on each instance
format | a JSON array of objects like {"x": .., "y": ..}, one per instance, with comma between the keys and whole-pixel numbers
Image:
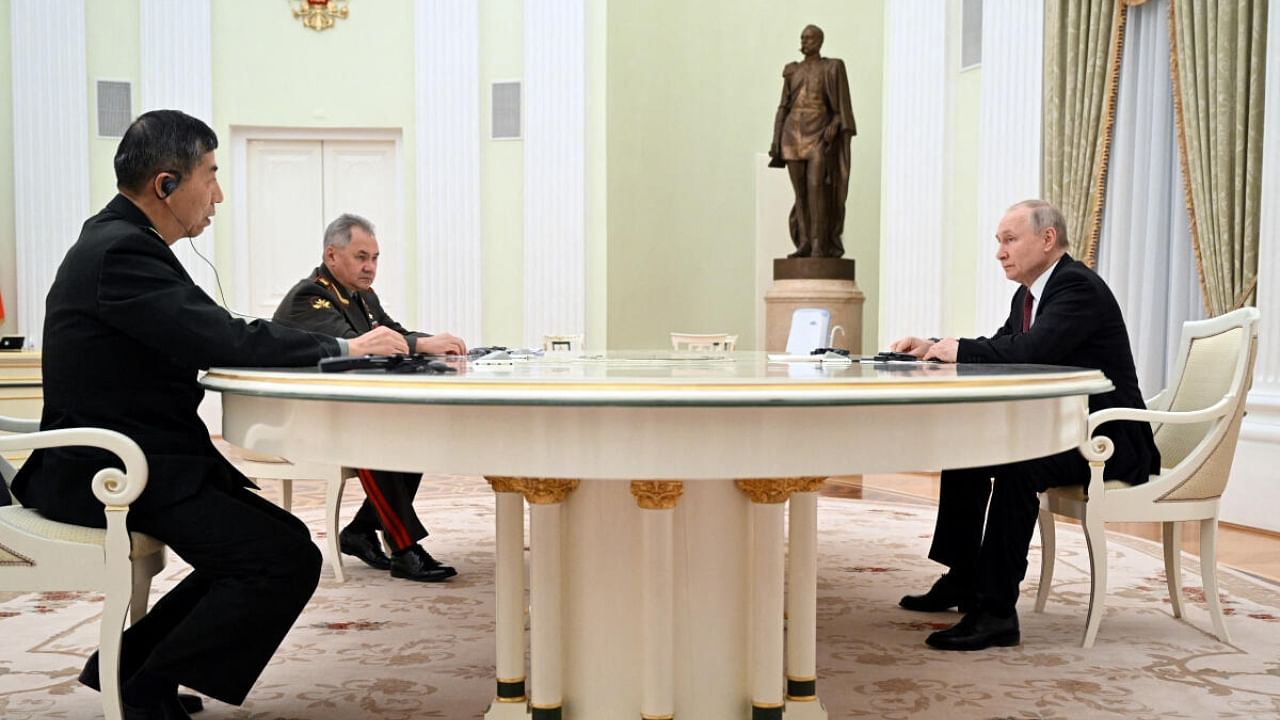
[{"x": 811, "y": 138}]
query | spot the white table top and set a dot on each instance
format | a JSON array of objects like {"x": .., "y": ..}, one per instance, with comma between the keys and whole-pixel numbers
[{"x": 670, "y": 378}]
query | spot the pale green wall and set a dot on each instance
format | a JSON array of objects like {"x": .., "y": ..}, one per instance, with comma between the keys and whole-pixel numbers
[
  {"x": 680, "y": 101},
  {"x": 693, "y": 92},
  {"x": 8, "y": 243},
  {"x": 111, "y": 53},
  {"x": 501, "y": 180},
  {"x": 961, "y": 208},
  {"x": 270, "y": 71}
]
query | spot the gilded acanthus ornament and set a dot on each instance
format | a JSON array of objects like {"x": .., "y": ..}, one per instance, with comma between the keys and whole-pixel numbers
[
  {"x": 766, "y": 492},
  {"x": 657, "y": 494},
  {"x": 537, "y": 491}
]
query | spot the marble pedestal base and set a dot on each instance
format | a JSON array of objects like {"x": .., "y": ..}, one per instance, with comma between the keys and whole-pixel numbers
[{"x": 840, "y": 296}]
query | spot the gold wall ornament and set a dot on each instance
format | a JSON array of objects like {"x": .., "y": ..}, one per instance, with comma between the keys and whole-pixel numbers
[
  {"x": 319, "y": 14},
  {"x": 537, "y": 491},
  {"x": 766, "y": 492},
  {"x": 657, "y": 494}
]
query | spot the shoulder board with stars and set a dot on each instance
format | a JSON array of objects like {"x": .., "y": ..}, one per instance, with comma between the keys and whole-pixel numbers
[{"x": 320, "y": 280}]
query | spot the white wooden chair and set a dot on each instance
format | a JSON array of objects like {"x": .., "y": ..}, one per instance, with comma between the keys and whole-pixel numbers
[
  {"x": 562, "y": 343},
  {"x": 703, "y": 341},
  {"x": 259, "y": 467},
  {"x": 37, "y": 554},
  {"x": 1196, "y": 421}
]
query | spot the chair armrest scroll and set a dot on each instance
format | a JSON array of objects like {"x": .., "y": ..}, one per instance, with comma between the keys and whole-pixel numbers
[
  {"x": 112, "y": 486},
  {"x": 1213, "y": 412}
]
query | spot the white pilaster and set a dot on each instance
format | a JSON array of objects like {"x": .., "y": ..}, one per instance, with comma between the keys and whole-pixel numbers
[
  {"x": 1009, "y": 137},
  {"x": 1253, "y": 491},
  {"x": 912, "y": 246},
  {"x": 176, "y": 56},
  {"x": 50, "y": 145},
  {"x": 554, "y": 169},
  {"x": 450, "y": 281}
]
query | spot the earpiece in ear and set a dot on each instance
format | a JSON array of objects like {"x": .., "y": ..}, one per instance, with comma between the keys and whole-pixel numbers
[{"x": 168, "y": 183}]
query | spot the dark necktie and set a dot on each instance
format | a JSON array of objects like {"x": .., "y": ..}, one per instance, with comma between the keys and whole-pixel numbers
[{"x": 1026, "y": 310}]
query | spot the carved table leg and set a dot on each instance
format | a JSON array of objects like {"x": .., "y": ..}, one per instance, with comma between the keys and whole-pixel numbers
[
  {"x": 511, "y": 699},
  {"x": 802, "y": 602},
  {"x": 546, "y": 652},
  {"x": 767, "y": 562},
  {"x": 658, "y": 498}
]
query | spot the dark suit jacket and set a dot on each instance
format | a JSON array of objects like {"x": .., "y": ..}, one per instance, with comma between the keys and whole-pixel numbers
[
  {"x": 1078, "y": 323},
  {"x": 320, "y": 304},
  {"x": 126, "y": 331}
]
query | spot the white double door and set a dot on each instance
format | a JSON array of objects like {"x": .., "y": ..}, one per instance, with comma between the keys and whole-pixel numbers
[{"x": 294, "y": 189}]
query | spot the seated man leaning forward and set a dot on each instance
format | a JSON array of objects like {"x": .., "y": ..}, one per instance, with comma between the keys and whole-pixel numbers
[
  {"x": 126, "y": 331},
  {"x": 1063, "y": 314},
  {"x": 337, "y": 298}
]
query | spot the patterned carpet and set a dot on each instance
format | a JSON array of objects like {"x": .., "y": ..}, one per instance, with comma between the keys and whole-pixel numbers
[{"x": 392, "y": 650}]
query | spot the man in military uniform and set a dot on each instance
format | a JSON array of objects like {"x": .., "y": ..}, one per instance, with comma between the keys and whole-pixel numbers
[
  {"x": 811, "y": 139},
  {"x": 337, "y": 299}
]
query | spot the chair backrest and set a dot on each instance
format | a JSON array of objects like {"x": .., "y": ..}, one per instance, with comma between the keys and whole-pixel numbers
[
  {"x": 1215, "y": 361},
  {"x": 703, "y": 341},
  {"x": 552, "y": 343},
  {"x": 808, "y": 330},
  {"x": 14, "y": 425}
]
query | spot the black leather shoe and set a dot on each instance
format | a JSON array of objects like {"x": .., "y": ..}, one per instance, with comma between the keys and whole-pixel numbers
[
  {"x": 170, "y": 709},
  {"x": 978, "y": 630},
  {"x": 364, "y": 545},
  {"x": 414, "y": 563},
  {"x": 89, "y": 678},
  {"x": 945, "y": 594}
]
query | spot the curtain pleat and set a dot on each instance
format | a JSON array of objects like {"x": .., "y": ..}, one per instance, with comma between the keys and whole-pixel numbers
[
  {"x": 1218, "y": 60},
  {"x": 1083, "y": 41}
]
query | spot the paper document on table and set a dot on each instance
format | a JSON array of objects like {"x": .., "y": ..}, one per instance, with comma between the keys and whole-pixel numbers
[{"x": 795, "y": 358}]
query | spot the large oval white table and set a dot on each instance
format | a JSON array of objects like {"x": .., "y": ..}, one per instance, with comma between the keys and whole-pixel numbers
[{"x": 676, "y": 592}]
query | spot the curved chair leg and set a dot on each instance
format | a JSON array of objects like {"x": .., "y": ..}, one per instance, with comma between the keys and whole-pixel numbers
[
  {"x": 1172, "y": 536},
  {"x": 286, "y": 494},
  {"x": 1048, "y": 554},
  {"x": 1095, "y": 536},
  {"x": 332, "y": 503},
  {"x": 110, "y": 630},
  {"x": 1209, "y": 575}
]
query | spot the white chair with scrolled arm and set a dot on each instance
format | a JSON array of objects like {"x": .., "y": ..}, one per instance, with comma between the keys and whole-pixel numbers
[
  {"x": 1196, "y": 422},
  {"x": 258, "y": 467},
  {"x": 37, "y": 554},
  {"x": 703, "y": 341}
]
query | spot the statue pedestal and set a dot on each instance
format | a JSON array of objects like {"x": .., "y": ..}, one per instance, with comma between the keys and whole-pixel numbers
[{"x": 814, "y": 283}]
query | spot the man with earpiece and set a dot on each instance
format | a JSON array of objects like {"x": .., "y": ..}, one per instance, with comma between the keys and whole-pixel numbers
[
  {"x": 126, "y": 333},
  {"x": 337, "y": 298}
]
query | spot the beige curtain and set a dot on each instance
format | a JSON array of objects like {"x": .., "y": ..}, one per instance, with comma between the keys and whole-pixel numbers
[
  {"x": 1218, "y": 56},
  {"x": 1082, "y": 43}
]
